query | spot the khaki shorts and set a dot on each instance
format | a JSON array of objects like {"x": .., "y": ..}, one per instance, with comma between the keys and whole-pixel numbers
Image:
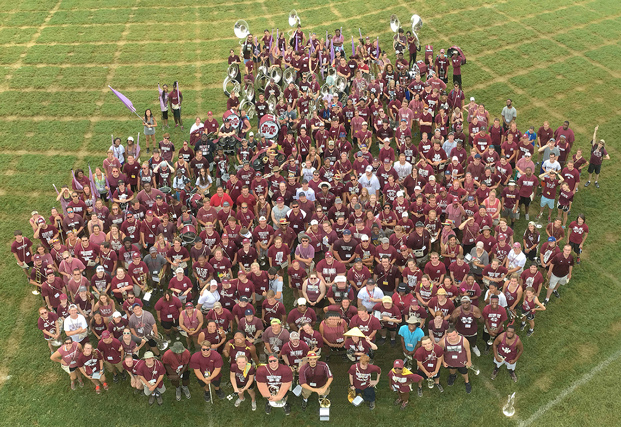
[
  {"x": 306, "y": 393},
  {"x": 556, "y": 281},
  {"x": 148, "y": 392}
]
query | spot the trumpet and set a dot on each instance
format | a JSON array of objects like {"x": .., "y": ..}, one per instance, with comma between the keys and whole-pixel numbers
[
  {"x": 38, "y": 279},
  {"x": 473, "y": 368}
]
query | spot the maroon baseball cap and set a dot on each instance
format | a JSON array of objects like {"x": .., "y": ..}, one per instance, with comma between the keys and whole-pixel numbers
[
  {"x": 49, "y": 271},
  {"x": 442, "y": 189},
  {"x": 189, "y": 304},
  {"x": 41, "y": 220},
  {"x": 105, "y": 334},
  {"x": 225, "y": 236},
  {"x": 246, "y": 241},
  {"x": 328, "y": 254},
  {"x": 37, "y": 257},
  {"x": 62, "y": 297},
  {"x": 398, "y": 364},
  {"x": 149, "y": 212},
  {"x": 280, "y": 199},
  {"x": 136, "y": 255}
]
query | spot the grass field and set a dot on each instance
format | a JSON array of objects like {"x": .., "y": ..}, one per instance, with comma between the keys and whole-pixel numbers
[{"x": 558, "y": 60}]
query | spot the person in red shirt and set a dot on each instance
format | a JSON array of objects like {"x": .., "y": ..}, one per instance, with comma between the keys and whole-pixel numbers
[
  {"x": 578, "y": 232},
  {"x": 401, "y": 379},
  {"x": 360, "y": 380},
  {"x": 274, "y": 381},
  {"x": 207, "y": 366},
  {"x": 151, "y": 374}
]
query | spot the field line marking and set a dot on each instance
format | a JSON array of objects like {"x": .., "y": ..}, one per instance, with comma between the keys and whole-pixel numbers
[{"x": 583, "y": 380}]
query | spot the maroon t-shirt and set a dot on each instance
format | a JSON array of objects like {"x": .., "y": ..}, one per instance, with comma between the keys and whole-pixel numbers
[
  {"x": 207, "y": 365},
  {"x": 153, "y": 372},
  {"x": 274, "y": 377},
  {"x": 241, "y": 377},
  {"x": 562, "y": 265},
  {"x": 111, "y": 352},
  {"x": 362, "y": 377}
]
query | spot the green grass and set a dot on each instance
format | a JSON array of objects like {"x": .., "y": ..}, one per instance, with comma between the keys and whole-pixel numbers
[{"x": 568, "y": 65}]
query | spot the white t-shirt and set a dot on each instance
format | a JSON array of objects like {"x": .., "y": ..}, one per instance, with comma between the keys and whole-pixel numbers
[
  {"x": 71, "y": 324},
  {"x": 502, "y": 300},
  {"x": 208, "y": 299},
  {"x": 516, "y": 260},
  {"x": 365, "y": 297}
]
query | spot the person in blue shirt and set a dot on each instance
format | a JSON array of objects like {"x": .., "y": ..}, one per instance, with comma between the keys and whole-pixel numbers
[{"x": 411, "y": 334}]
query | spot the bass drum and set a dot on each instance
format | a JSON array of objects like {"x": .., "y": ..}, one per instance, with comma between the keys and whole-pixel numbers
[
  {"x": 188, "y": 234},
  {"x": 233, "y": 118},
  {"x": 268, "y": 126}
]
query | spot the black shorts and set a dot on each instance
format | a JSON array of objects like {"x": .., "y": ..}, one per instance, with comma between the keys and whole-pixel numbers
[
  {"x": 216, "y": 383},
  {"x": 422, "y": 374},
  {"x": 170, "y": 325},
  {"x": 320, "y": 304},
  {"x": 575, "y": 247},
  {"x": 152, "y": 343},
  {"x": 563, "y": 208},
  {"x": 390, "y": 328},
  {"x": 594, "y": 168},
  {"x": 461, "y": 369},
  {"x": 165, "y": 115},
  {"x": 177, "y": 113},
  {"x": 525, "y": 201}
]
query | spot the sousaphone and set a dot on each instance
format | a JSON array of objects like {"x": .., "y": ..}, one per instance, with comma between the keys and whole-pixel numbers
[
  {"x": 241, "y": 30},
  {"x": 395, "y": 24}
]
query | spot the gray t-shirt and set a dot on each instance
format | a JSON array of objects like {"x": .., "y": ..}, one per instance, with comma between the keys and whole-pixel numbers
[
  {"x": 548, "y": 150},
  {"x": 483, "y": 259},
  {"x": 154, "y": 264},
  {"x": 143, "y": 325},
  {"x": 276, "y": 341},
  {"x": 280, "y": 213},
  {"x": 509, "y": 114},
  {"x": 275, "y": 285}
]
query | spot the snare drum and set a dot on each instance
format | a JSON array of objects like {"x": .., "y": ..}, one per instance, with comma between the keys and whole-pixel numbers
[
  {"x": 188, "y": 233},
  {"x": 268, "y": 126}
]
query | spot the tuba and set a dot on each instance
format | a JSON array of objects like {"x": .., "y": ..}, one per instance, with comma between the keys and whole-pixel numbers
[
  {"x": 162, "y": 344},
  {"x": 289, "y": 75},
  {"x": 249, "y": 93},
  {"x": 340, "y": 84},
  {"x": 417, "y": 23},
  {"x": 226, "y": 83},
  {"x": 233, "y": 71},
  {"x": 394, "y": 23},
  {"x": 241, "y": 30},
  {"x": 294, "y": 19},
  {"x": 276, "y": 74},
  {"x": 271, "y": 103}
]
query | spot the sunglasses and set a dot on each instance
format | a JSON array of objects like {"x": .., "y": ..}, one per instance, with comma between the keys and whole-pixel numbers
[
  {"x": 65, "y": 258},
  {"x": 205, "y": 349},
  {"x": 126, "y": 333}
]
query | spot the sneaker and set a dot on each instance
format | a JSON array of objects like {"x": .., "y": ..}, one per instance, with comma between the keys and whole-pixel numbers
[
  {"x": 304, "y": 404},
  {"x": 393, "y": 343},
  {"x": 151, "y": 399},
  {"x": 287, "y": 409},
  {"x": 178, "y": 394},
  {"x": 517, "y": 216},
  {"x": 578, "y": 260},
  {"x": 207, "y": 396},
  {"x": 268, "y": 408},
  {"x": 147, "y": 151},
  {"x": 124, "y": 376},
  {"x": 186, "y": 391},
  {"x": 468, "y": 388},
  {"x": 159, "y": 399},
  {"x": 556, "y": 294},
  {"x": 381, "y": 340},
  {"x": 254, "y": 405},
  {"x": 586, "y": 184},
  {"x": 397, "y": 402},
  {"x": 544, "y": 303},
  {"x": 238, "y": 402},
  {"x": 220, "y": 393},
  {"x": 530, "y": 332},
  {"x": 523, "y": 325},
  {"x": 115, "y": 378},
  {"x": 494, "y": 373},
  {"x": 98, "y": 390},
  {"x": 403, "y": 406},
  {"x": 596, "y": 184},
  {"x": 526, "y": 217},
  {"x": 486, "y": 351},
  {"x": 420, "y": 392},
  {"x": 136, "y": 391},
  {"x": 73, "y": 385},
  {"x": 539, "y": 216},
  {"x": 451, "y": 380},
  {"x": 440, "y": 388},
  {"x": 181, "y": 127},
  {"x": 513, "y": 376},
  {"x": 476, "y": 351},
  {"x": 372, "y": 405},
  {"x": 81, "y": 383},
  {"x": 176, "y": 125},
  {"x": 549, "y": 219},
  {"x": 105, "y": 386}
]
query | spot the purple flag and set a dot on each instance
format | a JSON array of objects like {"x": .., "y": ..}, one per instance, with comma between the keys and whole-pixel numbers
[
  {"x": 94, "y": 191},
  {"x": 332, "y": 52},
  {"x": 296, "y": 41},
  {"x": 353, "y": 50},
  {"x": 109, "y": 189},
  {"x": 321, "y": 64},
  {"x": 272, "y": 38},
  {"x": 124, "y": 100},
  {"x": 63, "y": 202},
  {"x": 76, "y": 183}
]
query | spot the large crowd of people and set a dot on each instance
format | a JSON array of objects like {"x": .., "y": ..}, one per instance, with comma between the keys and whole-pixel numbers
[{"x": 381, "y": 212}]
